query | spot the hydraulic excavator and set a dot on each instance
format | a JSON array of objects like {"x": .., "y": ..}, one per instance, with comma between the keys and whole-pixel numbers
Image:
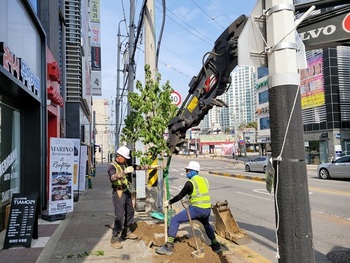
[
  {"x": 212, "y": 81},
  {"x": 321, "y": 30}
]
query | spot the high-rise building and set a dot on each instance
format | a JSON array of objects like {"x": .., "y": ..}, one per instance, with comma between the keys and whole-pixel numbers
[
  {"x": 241, "y": 102},
  {"x": 78, "y": 70}
]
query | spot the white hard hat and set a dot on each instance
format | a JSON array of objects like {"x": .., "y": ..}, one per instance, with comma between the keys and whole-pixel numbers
[
  {"x": 124, "y": 151},
  {"x": 192, "y": 165}
]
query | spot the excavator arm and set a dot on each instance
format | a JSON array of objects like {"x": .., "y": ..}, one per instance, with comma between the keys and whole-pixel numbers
[{"x": 212, "y": 80}]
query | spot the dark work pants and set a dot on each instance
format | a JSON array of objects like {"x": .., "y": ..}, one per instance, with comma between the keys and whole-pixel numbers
[
  {"x": 196, "y": 213},
  {"x": 123, "y": 211}
]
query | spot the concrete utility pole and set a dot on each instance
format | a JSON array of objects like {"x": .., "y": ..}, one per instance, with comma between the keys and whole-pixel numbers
[
  {"x": 292, "y": 205},
  {"x": 154, "y": 194},
  {"x": 150, "y": 38}
]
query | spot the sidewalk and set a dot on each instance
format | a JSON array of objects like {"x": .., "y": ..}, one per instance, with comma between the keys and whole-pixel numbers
[{"x": 82, "y": 236}]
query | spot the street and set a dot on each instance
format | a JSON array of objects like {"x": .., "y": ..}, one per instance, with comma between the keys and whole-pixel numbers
[{"x": 253, "y": 207}]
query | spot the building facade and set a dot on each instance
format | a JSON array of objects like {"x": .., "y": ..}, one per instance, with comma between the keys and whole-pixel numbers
[
  {"x": 45, "y": 90},
  {"x": 23, "y": 98},
  {"x": 325, "y": 102}
]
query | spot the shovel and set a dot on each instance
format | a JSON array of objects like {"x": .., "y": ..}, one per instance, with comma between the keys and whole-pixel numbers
[{"x": 199, "y": 252}]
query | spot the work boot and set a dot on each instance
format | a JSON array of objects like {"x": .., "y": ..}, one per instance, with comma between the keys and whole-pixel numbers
[
  {"x": 115, "y": 242},
  {"x": 166, "y": 249},
  {"x": 127, "y": 234},
  {"x": 216, "y": 247}
]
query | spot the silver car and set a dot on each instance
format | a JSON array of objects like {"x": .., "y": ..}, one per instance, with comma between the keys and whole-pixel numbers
[
  {"x": 259, "y": 164},
  {"x": 339, "y": 168}
]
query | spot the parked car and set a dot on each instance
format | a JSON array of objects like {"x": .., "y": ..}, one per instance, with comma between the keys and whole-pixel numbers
[
  {"x": 258, "y": 164},
  {"x": 340, "y": 168}
]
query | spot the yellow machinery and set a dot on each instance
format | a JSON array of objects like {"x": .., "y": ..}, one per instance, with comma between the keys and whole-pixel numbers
[{"x": 226, "y": 226}]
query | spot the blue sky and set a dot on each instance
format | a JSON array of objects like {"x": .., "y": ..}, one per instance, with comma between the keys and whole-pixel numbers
[{"x": 191, "y": 27}]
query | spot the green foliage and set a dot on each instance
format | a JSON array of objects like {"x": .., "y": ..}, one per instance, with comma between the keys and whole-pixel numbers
[
  {"x": 85, "y": 254},
  {"x": 151, "y": 111},
  {"x": 253, "y": 124}
]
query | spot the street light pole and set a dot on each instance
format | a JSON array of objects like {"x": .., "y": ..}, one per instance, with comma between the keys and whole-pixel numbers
[{"x": 117, "y": 98}]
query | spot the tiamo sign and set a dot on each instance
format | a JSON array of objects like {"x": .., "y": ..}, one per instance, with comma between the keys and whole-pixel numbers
[
  {"x": 19, "y": 69},
  {"x": 326, "y": 33}
]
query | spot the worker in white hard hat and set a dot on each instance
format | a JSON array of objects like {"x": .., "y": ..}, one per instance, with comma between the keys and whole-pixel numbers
[
  {"x": 197, "y": 188},
  {"x": 120, "y": 176}
]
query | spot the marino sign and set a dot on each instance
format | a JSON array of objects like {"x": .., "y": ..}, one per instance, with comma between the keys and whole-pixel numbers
[{"x": 19, "y": 69}]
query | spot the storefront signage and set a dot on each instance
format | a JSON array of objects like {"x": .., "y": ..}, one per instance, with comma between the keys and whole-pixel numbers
[
  {"x": 23, "y": 221},
  {"x": 324, "y": 135},
  {"x": 19, "y": 69},
  {"x": 61, "y": 172},
  {"x": 262, "y": 84},
  {"x": 326, "y": 31}
]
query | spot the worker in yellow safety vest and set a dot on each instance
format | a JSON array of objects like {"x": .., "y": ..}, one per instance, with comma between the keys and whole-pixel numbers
[
  {"x": 120, "y": 177},
  {"x": 197, "y": 188}
]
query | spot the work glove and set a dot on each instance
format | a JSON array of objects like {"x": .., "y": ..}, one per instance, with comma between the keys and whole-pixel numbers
[
  {"x": 116, "y": 176},
  {"x": 129, "y": 169},
  {"x": 166, "y": 203}
]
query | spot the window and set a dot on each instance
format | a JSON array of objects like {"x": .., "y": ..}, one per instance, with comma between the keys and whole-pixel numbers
[
  {"x": 10, "y": 151},
  {"x": 265, "y": 123},
  {"x": 263, "y": 97}
]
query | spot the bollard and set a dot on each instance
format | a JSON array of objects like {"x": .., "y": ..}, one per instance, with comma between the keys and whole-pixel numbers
[{"x": 89, "y": 181}]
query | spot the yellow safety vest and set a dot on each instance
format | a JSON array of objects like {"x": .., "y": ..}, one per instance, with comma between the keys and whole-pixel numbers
[
  {"x": 200, "y": 196},
  {"x": 121, "y": 181}
]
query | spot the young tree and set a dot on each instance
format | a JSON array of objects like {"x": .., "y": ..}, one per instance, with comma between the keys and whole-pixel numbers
[{"x": 151, "y": 110}]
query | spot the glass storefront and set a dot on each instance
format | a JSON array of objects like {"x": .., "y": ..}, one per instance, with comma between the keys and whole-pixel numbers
[{"x": 9, "y": 157}]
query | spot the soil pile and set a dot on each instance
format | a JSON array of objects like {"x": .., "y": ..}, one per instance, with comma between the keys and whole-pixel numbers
[{"x": 153, "y": 236}]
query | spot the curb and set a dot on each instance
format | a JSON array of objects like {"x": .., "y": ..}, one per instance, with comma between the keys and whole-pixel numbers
[{"x": 239, "y": 176}]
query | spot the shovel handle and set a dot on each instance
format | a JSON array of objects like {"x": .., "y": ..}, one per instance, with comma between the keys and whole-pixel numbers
[{"x": 191, "y": 224}]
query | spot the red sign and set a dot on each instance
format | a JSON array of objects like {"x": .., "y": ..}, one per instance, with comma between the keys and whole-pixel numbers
[
  {"x": 176, "y": 98},
  {"x": 346, "y": 23}
]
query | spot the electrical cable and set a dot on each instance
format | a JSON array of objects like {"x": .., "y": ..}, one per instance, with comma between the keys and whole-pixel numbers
[
  {"x": 212, "y": 18},
  {"x": 210, "y": 41},
  {"x": 139, "y": 28},
  {"x": 161, "y": 33},
  {"x": 124, "y": 17},
  {"x": 169, "y": 66}
]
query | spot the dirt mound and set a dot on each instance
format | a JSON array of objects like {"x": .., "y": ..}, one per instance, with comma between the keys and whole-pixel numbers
[{"x": 153, "y": 236}]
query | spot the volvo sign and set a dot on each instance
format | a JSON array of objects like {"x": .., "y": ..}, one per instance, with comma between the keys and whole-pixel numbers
[{"x": 329, "y": 30}]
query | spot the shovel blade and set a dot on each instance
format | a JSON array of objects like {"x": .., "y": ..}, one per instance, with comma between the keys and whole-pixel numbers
[{"x": 198, "y": 253}]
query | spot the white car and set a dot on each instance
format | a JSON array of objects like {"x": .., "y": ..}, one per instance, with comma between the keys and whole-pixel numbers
[
  {"x": 258, "y": 164},
  {"x": 340, "y": 168}
]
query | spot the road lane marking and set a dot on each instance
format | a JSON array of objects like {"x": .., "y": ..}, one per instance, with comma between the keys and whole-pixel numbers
[
  {"x": 269, "y": 199},
  {"x": 329, "y": 191},
  {"x": 262, "y": 191}
]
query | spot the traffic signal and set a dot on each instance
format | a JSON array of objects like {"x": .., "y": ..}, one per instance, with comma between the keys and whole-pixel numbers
[{"x": 97, "y": 147}]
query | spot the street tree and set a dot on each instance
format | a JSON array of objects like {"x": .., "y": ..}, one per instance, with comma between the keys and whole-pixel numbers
[{"x": 151, "y": 111}]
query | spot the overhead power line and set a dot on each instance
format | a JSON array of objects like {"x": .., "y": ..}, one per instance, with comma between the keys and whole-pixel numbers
[
  {"x": 211, "y": 17},
  {"x": 204, "y": 39}
]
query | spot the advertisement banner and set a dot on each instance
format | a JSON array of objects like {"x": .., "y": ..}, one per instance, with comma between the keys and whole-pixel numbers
[
  {"x": 76, "y": 164},
  {"x": 96, "y": 58},
  {"x": 311, "y": 84},
  {"x": 96, "y": 85},
  {"x": 95, "y": 11},
  {"x": 95, "y": 34},
  {"x": 82, "y": 169},
  {"x": 60, "y": 176}
]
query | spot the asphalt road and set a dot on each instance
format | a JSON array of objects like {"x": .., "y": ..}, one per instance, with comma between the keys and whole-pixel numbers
[{"x": 253, "y": 207}]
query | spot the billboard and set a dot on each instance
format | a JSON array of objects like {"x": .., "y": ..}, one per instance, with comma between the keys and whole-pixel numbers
[{"x": 311, "y": 83}]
